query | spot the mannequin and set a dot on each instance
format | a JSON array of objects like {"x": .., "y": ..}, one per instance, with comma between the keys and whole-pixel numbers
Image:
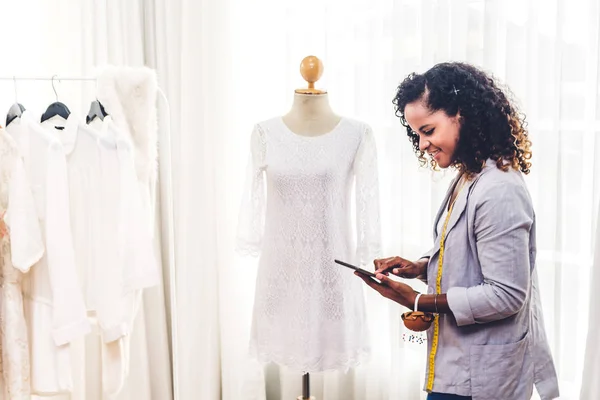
[
  {"x": 311, "y": 114},
  {"x": 315, "y": 160}
]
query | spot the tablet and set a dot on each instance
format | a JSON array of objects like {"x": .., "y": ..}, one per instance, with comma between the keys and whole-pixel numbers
[{"x": 354, "y": 267}]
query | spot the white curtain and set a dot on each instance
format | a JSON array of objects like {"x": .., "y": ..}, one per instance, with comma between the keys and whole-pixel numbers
[
  {"x": 590, "y": 387},
  {"x": 192, "y": 45},
  {"x": 227, "y": 64}
]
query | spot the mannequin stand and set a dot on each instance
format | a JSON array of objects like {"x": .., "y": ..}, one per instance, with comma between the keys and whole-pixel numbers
[
  {"x": 306, "y": 389},
  {"x": 311, "y": 69}
]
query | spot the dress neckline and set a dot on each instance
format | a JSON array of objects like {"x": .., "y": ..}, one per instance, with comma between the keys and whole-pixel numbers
[{"x": 333, "y": 131}]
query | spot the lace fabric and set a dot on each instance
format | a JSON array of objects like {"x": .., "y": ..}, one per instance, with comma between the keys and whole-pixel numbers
[
  {"x": 252, "y": 211},
  {"x": 14, "y": 355},
  {"x": 367, "y": 201},
  {"x": 13, "y": 331},
  {"x": 309, "y": 313}
]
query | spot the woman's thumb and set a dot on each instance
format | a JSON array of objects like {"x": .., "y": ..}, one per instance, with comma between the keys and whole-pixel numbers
[{"x": 383, "y": 278}]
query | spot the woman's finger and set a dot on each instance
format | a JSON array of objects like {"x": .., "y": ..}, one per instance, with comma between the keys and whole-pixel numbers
[
  {"x": 402, "y": 261},
  {"x": 385, "y": 265},
  {"x": 385, "y": 280},
  {"x": 378, "y": 263},
  {"x": 401, "y": 272},
  {"x": 368, "y": 281},
  {"x": 383, "y": 290}
]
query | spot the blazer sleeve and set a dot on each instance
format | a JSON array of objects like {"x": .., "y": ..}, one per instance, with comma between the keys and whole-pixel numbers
[
  {"x": 428, "y": 254},
  {"x": 502, "y": 224}
]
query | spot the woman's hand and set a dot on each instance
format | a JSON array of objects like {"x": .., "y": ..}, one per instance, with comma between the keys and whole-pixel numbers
[
  {"x": 401, "y": 267},
  {"x": 399, "y": 292}
]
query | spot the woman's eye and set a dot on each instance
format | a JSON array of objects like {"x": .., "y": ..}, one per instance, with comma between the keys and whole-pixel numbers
[{"x": 429, "y": 132}]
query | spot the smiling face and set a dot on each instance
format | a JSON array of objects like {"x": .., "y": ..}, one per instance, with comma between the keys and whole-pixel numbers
[{"x": 438, "y": 133}]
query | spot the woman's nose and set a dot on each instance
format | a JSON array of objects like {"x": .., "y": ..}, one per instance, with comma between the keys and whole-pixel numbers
[{"x": 423, "y": 143}]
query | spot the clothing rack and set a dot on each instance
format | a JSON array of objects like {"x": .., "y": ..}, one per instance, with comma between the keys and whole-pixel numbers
[
  {"x": 167, "y": 181},
  {"x": 47, "y": 78},
  {"x": 77, "y": 78}
]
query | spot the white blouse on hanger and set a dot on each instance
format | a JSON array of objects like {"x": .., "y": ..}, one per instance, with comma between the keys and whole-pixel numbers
[
  {"x": 20, "y": 248},
  {"x": 114, "y": 252},
  {"x": 138, "y": 268},
  {"x": 54, "y": 303},
  {"x": 309, "y": 313}
]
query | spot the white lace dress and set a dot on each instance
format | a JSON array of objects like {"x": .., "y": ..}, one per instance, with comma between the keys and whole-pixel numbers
[
  {"x": 309, "y": 313},
  {"x": 21, "y": 246}
]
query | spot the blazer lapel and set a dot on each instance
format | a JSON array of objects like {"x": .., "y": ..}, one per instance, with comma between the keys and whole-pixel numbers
[
  {"x": 460, "y": 204},
  {"x": 441, "y": 209}
]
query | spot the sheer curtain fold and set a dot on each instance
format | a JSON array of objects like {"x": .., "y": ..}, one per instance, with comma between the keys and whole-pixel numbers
[
  {"x": 192, "y": 61},
  {"x": 590, "y": 387}
]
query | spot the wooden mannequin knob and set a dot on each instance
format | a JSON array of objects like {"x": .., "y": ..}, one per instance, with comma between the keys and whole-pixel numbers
[{"x": 311, "y": 69}]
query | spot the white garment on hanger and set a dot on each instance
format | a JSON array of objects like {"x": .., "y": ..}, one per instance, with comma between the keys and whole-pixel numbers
[
  {"x": 309, "y": 313},
  {"x": 54, "y": 304},
  {"x": 138, "y": 268},
  {"x": 114, "y": 253},
  {"x": 128, "y": 94},
  {"x": 21, "y": 247},
  {"x": 138, "y": 261}
]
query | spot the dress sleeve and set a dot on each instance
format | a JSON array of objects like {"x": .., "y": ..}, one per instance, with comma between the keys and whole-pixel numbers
[
  {"x": 21, "y": 221},
  {"x": 367, "y": 200},
  {"x": 252, "y": 211},
  {"x": 69, "y": 310}
]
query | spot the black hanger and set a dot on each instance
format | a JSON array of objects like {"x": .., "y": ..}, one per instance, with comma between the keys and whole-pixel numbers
[
  {"x": 96, "y": 110},
  {"x": 56, "y": 108},
  {"x": 16, "y": 110}
]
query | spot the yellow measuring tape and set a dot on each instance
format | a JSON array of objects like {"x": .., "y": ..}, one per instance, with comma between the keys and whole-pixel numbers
[{"x": 438, "y": 290}]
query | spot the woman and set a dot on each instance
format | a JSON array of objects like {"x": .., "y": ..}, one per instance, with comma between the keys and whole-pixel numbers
[{"x": 487, "y": 340}]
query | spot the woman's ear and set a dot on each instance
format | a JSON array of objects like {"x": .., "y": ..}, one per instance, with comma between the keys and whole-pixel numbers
[{"x": 457, "y": 119}]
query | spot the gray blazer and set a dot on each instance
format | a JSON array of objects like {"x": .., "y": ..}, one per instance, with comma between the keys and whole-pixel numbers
[{"x": 493, "y": 345}]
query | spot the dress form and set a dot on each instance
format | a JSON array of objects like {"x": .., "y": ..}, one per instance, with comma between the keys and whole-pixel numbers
[
  {"x": 311, "y": 114},
  {"x": 296, "y": 321}
]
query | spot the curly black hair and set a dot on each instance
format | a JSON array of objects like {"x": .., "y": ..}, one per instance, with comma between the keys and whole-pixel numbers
[{"x": 490, "y": 125}]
